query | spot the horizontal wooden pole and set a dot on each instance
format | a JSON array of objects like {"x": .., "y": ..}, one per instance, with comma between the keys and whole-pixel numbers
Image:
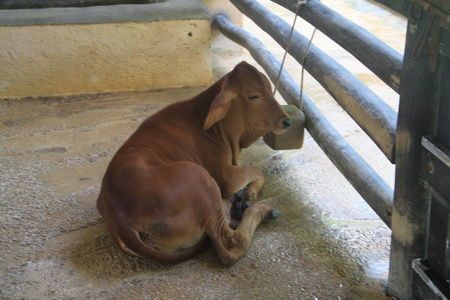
[
  {"x": 381, "y": 59},
  {"x": 358, "y": 172},
  {"x": 368, "y": 110}
]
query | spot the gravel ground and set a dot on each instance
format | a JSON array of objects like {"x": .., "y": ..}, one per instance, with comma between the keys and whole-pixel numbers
[{"x": 55, "y": 245}]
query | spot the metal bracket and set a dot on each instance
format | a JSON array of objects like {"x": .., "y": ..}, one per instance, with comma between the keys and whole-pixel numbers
[
  {"x": 444, "y": 18},
  {"x": 436, "y": 20}
]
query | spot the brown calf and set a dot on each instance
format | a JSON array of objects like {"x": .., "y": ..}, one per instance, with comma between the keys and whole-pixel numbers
[{"x": 171, "y": 183}]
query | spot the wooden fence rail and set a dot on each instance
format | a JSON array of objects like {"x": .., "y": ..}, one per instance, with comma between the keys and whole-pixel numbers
[
  {"x": 364, "y": 179},
  {"x": 381, "y": 59}
]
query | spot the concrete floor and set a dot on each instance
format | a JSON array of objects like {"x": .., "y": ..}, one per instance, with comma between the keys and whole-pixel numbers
[{"x": 327, "y": 244}]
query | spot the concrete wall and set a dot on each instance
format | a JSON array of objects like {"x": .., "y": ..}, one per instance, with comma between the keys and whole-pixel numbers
[
  {"x": 78, "y": 59},
  {"x": 74, "y": 56}
]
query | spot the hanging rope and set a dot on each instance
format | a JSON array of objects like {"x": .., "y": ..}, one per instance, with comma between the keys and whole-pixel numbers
[
  {"x": 288, "y": 45},
  {"x": 300, "y": 104},
  {"x": 299, "y": 4}
]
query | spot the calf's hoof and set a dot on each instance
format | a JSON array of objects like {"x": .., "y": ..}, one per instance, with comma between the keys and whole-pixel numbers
[
  {"x": 240, "y": 193},
  {"x": 244, "y": 195},
  {"x": 274, "y": 214}
]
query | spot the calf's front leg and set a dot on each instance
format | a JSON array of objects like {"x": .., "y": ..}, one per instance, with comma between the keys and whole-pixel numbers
[
  {"x": 232, "y": 179},
  {"x": 254, "y": 185}
]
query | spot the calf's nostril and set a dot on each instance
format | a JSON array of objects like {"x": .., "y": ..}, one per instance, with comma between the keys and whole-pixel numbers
[{"x": 286, "y": 123}]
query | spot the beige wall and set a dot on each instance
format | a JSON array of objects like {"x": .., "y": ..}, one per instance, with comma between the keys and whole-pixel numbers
[{"x": 77, "y": 59}]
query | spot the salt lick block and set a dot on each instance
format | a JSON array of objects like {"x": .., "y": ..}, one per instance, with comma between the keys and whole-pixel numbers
[{"x": 293, "y": 137}]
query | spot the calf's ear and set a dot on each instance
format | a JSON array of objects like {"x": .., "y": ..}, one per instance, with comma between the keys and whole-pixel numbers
[{"x": 220, "y": 106}]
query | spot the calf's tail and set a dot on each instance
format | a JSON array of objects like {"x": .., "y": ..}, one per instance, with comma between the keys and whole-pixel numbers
[{"x": 130, "y": 242}]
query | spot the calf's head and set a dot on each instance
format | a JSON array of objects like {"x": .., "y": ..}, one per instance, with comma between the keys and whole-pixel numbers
[{"x": 246, "y": 107}]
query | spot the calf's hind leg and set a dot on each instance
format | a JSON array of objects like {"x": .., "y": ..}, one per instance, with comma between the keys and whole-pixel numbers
[{"x": 233, "y": 244}]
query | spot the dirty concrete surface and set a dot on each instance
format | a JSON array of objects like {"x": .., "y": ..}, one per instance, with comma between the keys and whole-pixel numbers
[{"x": 327, "y": 244}]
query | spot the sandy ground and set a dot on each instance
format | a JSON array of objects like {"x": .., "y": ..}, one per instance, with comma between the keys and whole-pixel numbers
[{"x": 327, "y": 244}]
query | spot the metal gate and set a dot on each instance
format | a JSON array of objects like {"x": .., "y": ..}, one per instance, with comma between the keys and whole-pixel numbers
[{"x": 417, "y": 139}]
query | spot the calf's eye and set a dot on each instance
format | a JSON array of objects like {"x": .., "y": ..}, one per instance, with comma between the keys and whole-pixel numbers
[{"x": 253, "y": 97}]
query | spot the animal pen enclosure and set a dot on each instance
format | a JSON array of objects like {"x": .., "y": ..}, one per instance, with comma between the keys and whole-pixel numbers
[
  {"x": 74, "y": 251},
  {"x": 417, "y": 140}
]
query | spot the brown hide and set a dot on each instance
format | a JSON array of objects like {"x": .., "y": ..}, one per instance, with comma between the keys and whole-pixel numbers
[{"x": 170, "y": 183}]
